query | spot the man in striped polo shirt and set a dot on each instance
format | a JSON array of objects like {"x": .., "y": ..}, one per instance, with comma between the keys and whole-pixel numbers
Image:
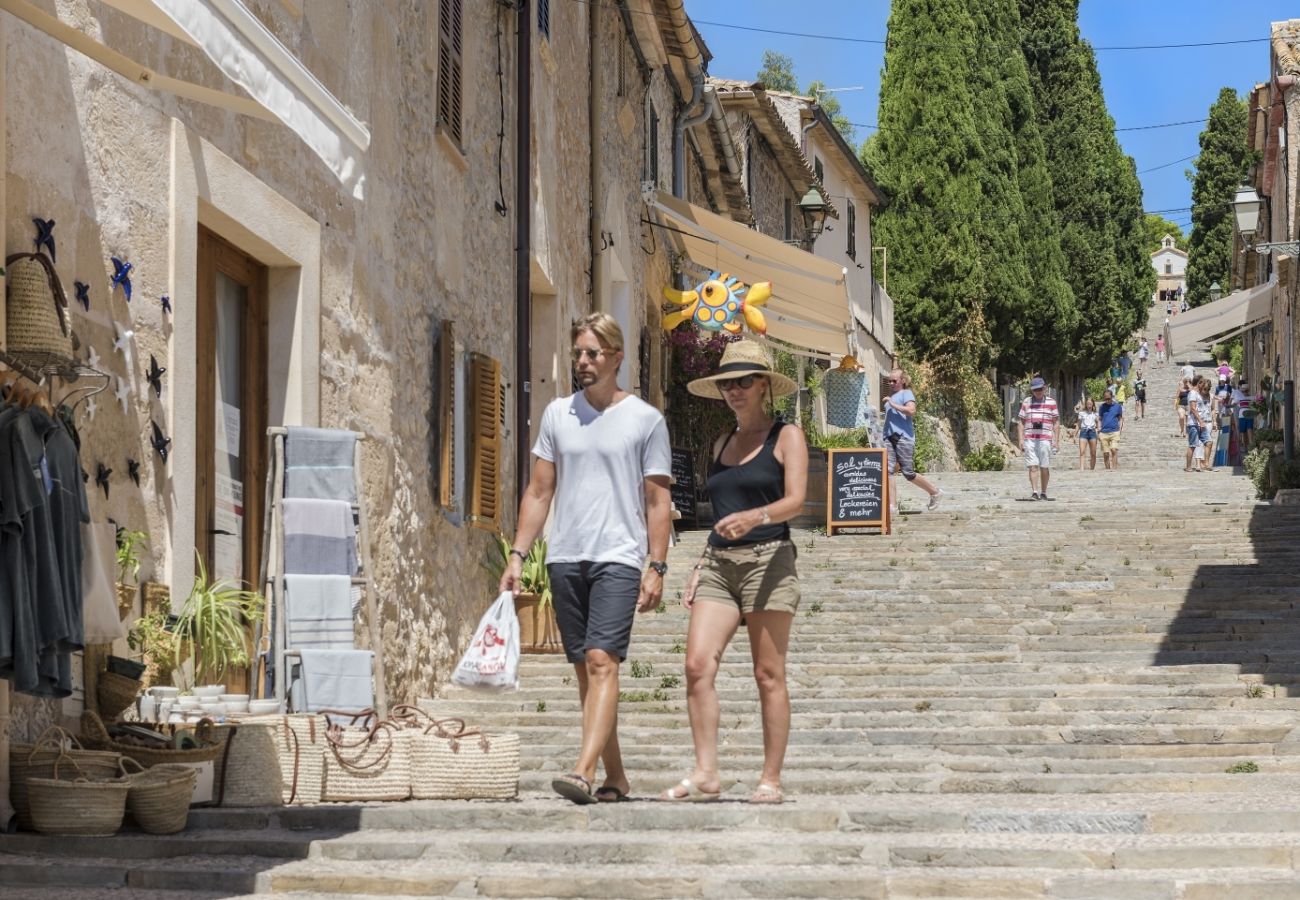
[{"x": 1040, "y": 436}]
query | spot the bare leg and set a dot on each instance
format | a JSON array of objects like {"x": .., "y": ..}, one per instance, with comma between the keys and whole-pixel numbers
[
  {"x": 1033, "y": 479},
  {"x": 1083, "y": 447},
  {"x": 599, "y": 714},
  {"x": 711, "y": 629},
  {"x": 1114, "y": 458},
  {"x": 1092, "y": 450},
  {"x": 1044, "y": 476},
  {"x": 769, "y": 638},
  {"x": 611, "y": 756},
  {"x": 925, "y": 484}
]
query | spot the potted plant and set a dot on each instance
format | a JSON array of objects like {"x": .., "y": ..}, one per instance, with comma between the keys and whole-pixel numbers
[
  {"x": 129, "y": 545},
  {"x": 211, "y": 628},
  {"x": 538, "y": 632},
  {"x": 154, "y": 638}
]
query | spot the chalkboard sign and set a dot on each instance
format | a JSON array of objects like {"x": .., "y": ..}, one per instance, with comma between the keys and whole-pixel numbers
[
  {"x": 684, "y": 483},
  {"x": 857, "y": 489}
]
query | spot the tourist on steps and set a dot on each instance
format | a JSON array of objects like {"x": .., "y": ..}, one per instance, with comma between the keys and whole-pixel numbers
[
  {"x": 900, "y": 438},
  {"x": 1089, "y": 422},
  {"x": 746, "y": 575},
  {"x": 1140, "y": 394},
  {"x": 1111, "y": 413},
  {"x": 1160, "y": 349},
  {"x": 1197, "y": 429},
  {"x": 1039, "y": 427},
  {"x": 602, "y": 455},
  {"x": 1180, "y": 404}
]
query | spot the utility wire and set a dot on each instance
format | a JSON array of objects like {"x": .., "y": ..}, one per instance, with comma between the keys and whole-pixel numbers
[
  {"x": 1168, "y": 164},
  {"x": 849, "y": 39},
  {"x": 1127, "y": 128}
]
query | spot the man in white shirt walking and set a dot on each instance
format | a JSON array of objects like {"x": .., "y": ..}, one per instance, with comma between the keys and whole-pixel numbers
[
  {"x": 603, "y": 457},
  {"x": 1040, "y": 436}
]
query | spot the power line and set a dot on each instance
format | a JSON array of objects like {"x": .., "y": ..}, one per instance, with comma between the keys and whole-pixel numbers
[
  {"x": 1168, "y": 164},
  {"x": 850, "y": 39},
  {"x": 1127, "y": 128}
]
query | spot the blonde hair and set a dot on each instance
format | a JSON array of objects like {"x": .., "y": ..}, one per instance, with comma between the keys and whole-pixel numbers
[
  {"x": 603, "y": 326},
  {"x": 904, "y": 380}
]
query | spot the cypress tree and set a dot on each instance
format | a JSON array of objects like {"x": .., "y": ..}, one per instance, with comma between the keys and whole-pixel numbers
[
  {"x": 1220, "y": 169},
  {"x": 1098, "y": 197}
]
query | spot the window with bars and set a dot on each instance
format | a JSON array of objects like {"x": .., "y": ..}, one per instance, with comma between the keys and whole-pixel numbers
[
  {"x": 853, "y": 231},
  {"x": 450, "y": 67},
  {"x": 544, "y": 18}
]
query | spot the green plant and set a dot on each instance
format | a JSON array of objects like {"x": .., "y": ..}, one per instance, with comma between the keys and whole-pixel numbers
[
  {"x": 640, "y": 669},
  {"x": 1256, "y": 465},
  {"x": 677, "y": 647},
  {"x": 988, "y": 458},
  {"x": 1255, "y": 691},
  {"x": 154, "y": 638},
  {"x": 533, "y": 577},
  {"x": 662, "y": 607},
  {"x": 814, "y": 608},
  {"x": 659, "y": 694},
  {"x": 1248, "y": 767},
  {"x": 211, "y": 628},
  {"x": 838, "y": 440},
  {"x": 1268, "y": 435},
  {"x": 541, "y": 706},
  {"x": 669, "y": 681},
  {"x": 633, "y": 696},
  {"x": 129, "y": 545},
  {"x": 922, "y": 706}
]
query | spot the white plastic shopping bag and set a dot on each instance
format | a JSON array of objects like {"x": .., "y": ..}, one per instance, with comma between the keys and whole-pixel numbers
[{"x": 492, "y": 661}]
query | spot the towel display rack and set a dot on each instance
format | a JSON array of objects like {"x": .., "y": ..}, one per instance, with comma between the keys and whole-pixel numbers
[{"x": 273, "y": 631}]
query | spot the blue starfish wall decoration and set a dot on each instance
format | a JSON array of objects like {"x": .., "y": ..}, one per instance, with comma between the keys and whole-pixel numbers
[{"x": 122, "y": 276}]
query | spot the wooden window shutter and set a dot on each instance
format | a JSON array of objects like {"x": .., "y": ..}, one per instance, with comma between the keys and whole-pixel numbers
[
  {"x": 450, "y": 47},
  {"x": 487, "y": 422},
  {"x": 447, "y": 413}
]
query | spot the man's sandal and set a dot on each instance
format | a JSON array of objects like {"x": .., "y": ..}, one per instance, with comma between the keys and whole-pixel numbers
[{"x": 692, "y": 794}]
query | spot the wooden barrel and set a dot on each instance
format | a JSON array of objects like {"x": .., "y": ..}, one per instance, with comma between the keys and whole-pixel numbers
[{"x": 814, "y": 504}]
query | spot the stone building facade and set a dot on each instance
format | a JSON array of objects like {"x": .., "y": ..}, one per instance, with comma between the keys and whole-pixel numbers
[{"x": 1170, "y": 264}]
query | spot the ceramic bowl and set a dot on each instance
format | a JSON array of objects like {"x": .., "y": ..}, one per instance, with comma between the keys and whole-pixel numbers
[
  {"x": 233, "y": 698},
  {"x": 263, "y": 707},
  {"x": 187, "y": 702},
  {"x": 163, "y": 692},
  {"x": 213, "y": 691}
]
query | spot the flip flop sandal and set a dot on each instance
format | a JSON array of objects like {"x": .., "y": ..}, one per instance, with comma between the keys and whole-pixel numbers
[
  {"x": 693, "y": 794},
  {"x": 610, "y": 794},
  {"x": 766, "y": 793},
  {"x": 575, "y": 788}
]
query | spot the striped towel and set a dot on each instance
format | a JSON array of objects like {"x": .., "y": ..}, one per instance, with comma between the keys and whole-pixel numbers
[
  {"x": 318, "y": 612},
  {"x": 319, "y": 537},
  {"x": 318, "y": 464}
]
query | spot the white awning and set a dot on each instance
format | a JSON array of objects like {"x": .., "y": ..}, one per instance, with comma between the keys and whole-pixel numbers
[
  {"x": 1221, "y": 319},
  {"x": 280, "y": 87},
  {"x": 809, "y": 306}
]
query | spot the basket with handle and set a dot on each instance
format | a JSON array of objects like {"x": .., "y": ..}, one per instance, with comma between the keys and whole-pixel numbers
[
  {"x": 451, "y": 762},
  {"x": 366, "y": 760},
  {"x": 210, "y": 740},
  {"x": 71, "y": 803},
  {"x": 38, "y": 760},
  {"x": 159, "y": 797},
  {"x": 300, "y": 748},
  {"x": 249, "y": 767},
  {"x": 115, "y": 693},
  {"x": 36, "y": 312}
]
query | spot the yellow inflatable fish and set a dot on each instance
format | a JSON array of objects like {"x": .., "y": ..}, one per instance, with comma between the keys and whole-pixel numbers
[{"x": 719, "y": 304}]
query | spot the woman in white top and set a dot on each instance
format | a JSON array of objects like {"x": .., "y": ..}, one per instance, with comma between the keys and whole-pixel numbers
[
  {"x": 1197, "y": 414},
  {"x": 1089, "y": 423}
]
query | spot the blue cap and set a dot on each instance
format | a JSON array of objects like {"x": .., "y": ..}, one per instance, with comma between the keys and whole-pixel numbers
[{"x": 1037, "y": 383}]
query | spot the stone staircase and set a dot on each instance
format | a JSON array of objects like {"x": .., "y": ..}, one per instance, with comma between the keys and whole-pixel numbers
[{"x": 1086, "y": 698}]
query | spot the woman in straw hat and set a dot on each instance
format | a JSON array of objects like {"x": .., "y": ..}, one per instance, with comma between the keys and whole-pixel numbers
[{"x": 747, "y": 573}]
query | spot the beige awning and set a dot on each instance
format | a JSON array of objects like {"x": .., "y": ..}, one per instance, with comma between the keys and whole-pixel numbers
[
  {"x": 809, "y": 307},
  {"x": 280, "y": 88},
  {"x": 1221, "y": 319}
]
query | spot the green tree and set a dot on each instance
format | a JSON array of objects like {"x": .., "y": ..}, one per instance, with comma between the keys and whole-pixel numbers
[
  {"x": 777, "y": 73},
  {"x": 1098, "y": 197},
  {"x": 1157, "y": 226},
  {"x": 1220, "y": 169}
]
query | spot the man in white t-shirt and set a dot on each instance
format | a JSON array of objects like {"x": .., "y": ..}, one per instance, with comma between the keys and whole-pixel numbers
[
  {"x": 602, "y": 457},
  {"x": 1189, "y": 371}
]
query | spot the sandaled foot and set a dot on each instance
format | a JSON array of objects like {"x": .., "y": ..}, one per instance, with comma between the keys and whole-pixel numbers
[
  {"x": 574, "y": 787},
  {"x": 767, "y": 793},
  {"x": 611, "y": 793},
  {"x": 687, "y": 791}
]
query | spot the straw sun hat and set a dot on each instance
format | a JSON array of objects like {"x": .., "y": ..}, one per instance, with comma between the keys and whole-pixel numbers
[{"x": 739, "y": 359}]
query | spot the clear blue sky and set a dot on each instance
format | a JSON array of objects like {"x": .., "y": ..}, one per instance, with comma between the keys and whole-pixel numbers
[{"x": 1142, "y": 87}]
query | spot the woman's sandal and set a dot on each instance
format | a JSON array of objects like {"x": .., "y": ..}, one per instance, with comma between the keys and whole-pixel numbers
[
  {"x": 767, "y": 793},
  {"x": 575, "y": 788},
  {"x": 693, "y": 793}
]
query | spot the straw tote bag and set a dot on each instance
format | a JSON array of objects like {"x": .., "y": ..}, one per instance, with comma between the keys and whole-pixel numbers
[
  {"x": 450, "y": 762},
  {"x": 36, "y": 310},
  {"x": 365, "y": 761},
  {"x": 300, "y": 749}
]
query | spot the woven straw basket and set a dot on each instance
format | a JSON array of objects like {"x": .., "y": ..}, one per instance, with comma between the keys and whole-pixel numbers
[
  {"x": 159, "y": 798},
  {"x": 210, "y": 738},
  {"x": 115, "y": 693},
  {"x": 82, "y": 806},
  {"x": 300, "y": 750},
  {"x": 367, "y": 763},
  {"x": 449, "y": 762},
  {"x": 250, "y": 767},
  {"x": 36, "y": 310},
  {"x": 38, "y": 761}
]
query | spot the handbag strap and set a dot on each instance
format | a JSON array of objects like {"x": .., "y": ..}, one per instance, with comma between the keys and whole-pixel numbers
[
  {"x": 225, "y": 764},
  {"x": 56, "y": 286},
  {"x": 335, "y": 738},
  {"x": 413, "y": 717}
]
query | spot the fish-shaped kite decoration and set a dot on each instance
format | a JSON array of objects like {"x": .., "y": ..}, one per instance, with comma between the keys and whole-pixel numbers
[
  {"x": 720, "y": 303},
  {"x": 159, "y": 441},
  {"x": 122, "y": 276},
  {"x": 44, "y": 235}
]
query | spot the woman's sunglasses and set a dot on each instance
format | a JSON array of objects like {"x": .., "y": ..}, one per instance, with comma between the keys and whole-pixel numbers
[{"x": 744, "y": 382}]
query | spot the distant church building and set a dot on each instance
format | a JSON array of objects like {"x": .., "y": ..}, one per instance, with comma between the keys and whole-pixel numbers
[{"x": 1170, "y": 264}]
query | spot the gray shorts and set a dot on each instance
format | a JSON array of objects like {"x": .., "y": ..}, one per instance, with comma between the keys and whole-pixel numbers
[
  {"x": 595, "y": 604},
  {"x": 902, "y": 452}
]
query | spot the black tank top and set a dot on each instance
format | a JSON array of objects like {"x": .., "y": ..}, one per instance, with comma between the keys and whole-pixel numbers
[
  {"x": 759, "y": 482},
  {"x": 1182, "y": 398}
]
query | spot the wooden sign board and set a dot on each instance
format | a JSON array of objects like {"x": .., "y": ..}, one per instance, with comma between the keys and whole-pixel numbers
[
  {"x": 857, "y": 489},
  {"x": 683, "y": 489}
]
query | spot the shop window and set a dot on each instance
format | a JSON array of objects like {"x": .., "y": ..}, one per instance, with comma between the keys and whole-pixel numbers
[
  {"x": 853, "y": 231},
  {"x": 450, "y": 48},
  {"x": 487, "y": 420},
  {"x": 544, "y": 18}
]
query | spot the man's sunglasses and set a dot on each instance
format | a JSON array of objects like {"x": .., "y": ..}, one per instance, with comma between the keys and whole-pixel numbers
[
  {"x": 744, "y": 382},
  {"x": 577, "y": 353}
]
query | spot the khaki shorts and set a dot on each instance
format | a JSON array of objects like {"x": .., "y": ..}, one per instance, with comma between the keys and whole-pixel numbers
[
  {"x": 755, "y": 578},
  {"x": 1109, "y": 441}
]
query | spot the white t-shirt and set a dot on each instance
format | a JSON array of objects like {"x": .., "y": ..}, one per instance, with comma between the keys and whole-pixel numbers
[
  {"x": 602, "y": 458},
  {"x": 1088, "y": 420},
  {"x": 1189, "y": 371}
]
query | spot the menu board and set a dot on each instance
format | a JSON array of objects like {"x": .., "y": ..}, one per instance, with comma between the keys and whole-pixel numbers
[
  {"x": 684, "y": 483},
  {"x": 857, "y": 489}
]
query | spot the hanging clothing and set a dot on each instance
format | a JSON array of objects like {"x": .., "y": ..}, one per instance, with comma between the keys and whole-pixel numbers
[
  {"x": 98, "y": 597},
  {"x": 847, "y": 398}
]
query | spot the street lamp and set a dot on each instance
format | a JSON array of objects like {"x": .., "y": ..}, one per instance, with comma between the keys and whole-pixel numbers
[
  {"x": 813, "y": 208},
  {"x": 1245, "y": 207},
  {"x": 1215, "y": 291}
]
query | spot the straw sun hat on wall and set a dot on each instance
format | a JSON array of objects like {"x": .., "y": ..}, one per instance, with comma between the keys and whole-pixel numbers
[{"x": 741, "y": 358}]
